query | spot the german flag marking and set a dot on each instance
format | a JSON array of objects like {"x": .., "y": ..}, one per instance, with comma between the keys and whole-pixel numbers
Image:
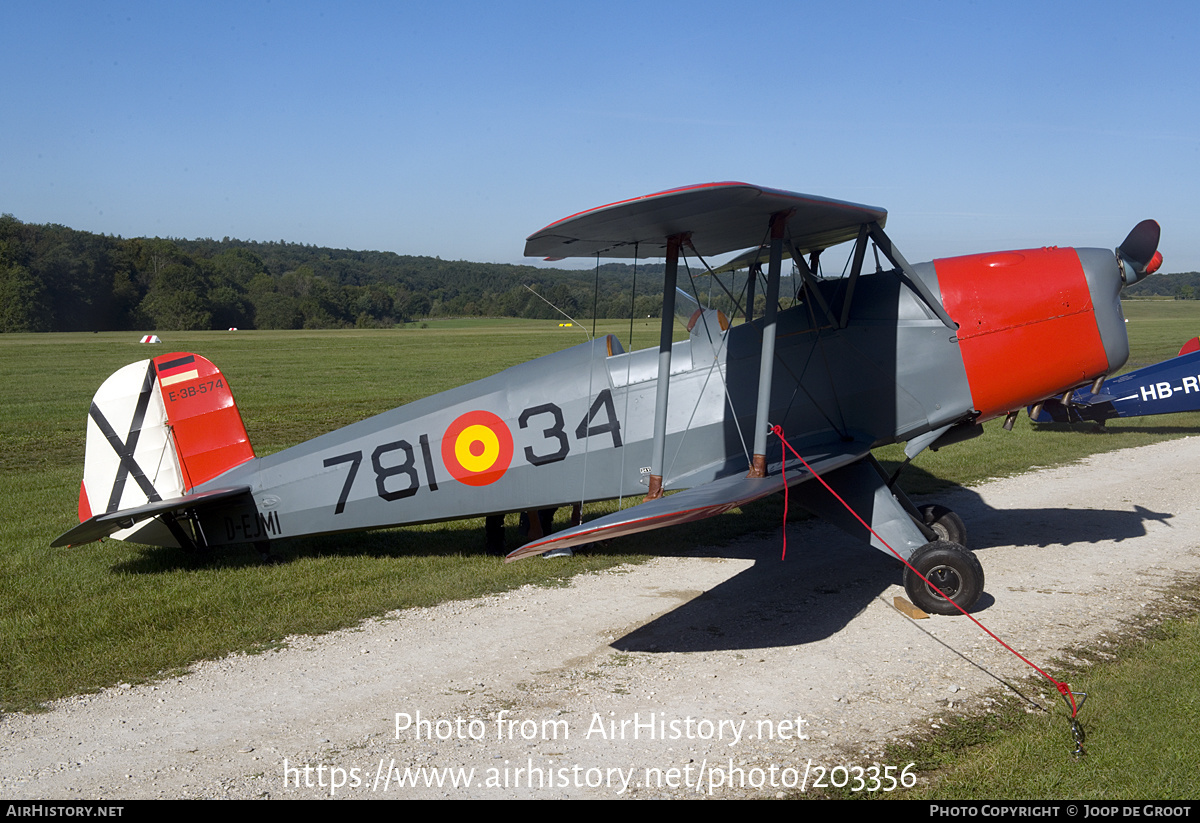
[
  {"x": 477, "y": 448},
  {"x": 179, "y": 377},
  {"x": 175, "y": 371}
]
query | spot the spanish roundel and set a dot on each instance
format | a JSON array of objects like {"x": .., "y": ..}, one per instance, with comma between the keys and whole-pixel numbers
[{"x": 477, "y": 448}]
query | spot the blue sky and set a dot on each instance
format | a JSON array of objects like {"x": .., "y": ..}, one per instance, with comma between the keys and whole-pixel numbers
[{"x": 457, "y": 129}]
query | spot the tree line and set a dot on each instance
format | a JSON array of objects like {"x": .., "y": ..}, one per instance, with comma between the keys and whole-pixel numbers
[
  {"x": 54, "y": 278},
  {"x": 1180, "y": 286}
]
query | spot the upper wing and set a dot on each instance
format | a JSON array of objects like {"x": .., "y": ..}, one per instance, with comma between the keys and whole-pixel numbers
[
  {"x": 695, "y": 503},
  {"x": 719, "y": 217}
]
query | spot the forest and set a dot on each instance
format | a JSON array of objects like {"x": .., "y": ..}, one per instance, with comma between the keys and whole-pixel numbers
[{"x": 54, "y": 278}]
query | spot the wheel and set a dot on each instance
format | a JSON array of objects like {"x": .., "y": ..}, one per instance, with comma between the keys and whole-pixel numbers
[
  {"x": 545, "y": 520},
  {"x": 946, "y": 523},
  {"x": 950, "y": 567},
  {"x": 493, "y": 535}
]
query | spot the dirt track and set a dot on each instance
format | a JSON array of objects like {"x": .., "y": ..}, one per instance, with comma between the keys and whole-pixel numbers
[{"x": 695, "y": 659}]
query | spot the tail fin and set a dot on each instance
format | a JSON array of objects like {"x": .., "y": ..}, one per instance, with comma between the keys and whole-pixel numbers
[{"x": 156, "y": 430}]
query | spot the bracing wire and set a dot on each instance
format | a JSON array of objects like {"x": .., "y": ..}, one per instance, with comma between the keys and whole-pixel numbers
[
  {"x": 574, "y": 322},
  {"x": 591, "y": 376},
  {"x": 628, "y": 372},
  {"x": 596, "y": 297},
  {"x": 717, "y": 352}
]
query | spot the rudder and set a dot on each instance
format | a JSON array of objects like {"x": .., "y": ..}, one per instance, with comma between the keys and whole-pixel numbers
[{"x": 156, "y": 430}]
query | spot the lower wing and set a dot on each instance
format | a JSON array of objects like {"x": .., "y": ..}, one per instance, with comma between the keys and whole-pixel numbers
[{"x": 696, "y": 503}]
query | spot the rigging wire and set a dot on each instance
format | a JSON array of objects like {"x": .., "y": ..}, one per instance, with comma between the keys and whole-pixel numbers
[
  {"x": 596, "y": 296},
  {"x": 574, "y": 322},
  {"x": 633, "y": 296},
  {"x": 810, "y": 288},
  {"x": 628, "y": 372},
  {"x": 591, "y": 376},
  {"x": 716, "y": 366},
  {"x": 737, "y": 305},
  {"x": 1064, "y": 689}
]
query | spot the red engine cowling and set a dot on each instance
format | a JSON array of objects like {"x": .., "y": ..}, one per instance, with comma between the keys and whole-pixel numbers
[{"x": 1027, "y": 325}]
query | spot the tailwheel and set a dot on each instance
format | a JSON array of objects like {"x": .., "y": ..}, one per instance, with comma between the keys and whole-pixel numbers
[
  {"x": 946, "y": 523},
  {"x": 951, "y": 568},
  {"x": 264, "y": 550}
]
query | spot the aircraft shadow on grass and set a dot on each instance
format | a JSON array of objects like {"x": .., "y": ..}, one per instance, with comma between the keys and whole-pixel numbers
[
  {"x": 1100, "y": 430},
  {"x": 828, "y": 578},
  {"x": 446, "y": 541}
]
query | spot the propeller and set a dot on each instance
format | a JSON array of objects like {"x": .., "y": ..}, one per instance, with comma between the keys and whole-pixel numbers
[{"x": 1138, "y": 253}]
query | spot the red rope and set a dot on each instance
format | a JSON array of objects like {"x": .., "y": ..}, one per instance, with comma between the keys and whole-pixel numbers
[{"x": 1063, "y": 688}]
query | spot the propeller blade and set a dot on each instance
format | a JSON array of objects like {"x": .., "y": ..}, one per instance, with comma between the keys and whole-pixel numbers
[
  {"x": 1138, "y": 255},
  {"x": 1141, "y": 244}
]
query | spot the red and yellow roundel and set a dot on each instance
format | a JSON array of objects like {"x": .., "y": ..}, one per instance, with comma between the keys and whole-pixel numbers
[{"x": 477, "y": 448}]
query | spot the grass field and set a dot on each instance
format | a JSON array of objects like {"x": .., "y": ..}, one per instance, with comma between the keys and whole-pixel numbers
[
  {"x": 80, "y": 619},
  {"x": 1142, "y": 732}
]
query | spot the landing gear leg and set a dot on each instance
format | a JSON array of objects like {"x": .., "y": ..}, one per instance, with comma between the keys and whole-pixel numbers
[{"x": 946, "y": 524}]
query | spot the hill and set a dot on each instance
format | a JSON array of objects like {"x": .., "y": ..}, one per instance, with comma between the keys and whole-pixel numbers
[{"x": 54, "y": 278}]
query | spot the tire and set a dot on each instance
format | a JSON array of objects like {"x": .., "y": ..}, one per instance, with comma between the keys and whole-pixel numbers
[
  {"x": 950, "y": 567},
  {"x": 948, "y": 526}
]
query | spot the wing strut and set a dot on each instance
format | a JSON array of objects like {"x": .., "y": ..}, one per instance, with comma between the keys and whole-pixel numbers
[
  {"x": 755, "y": 268},
  {"x": 658, "y": 455},
  {"x": 766, "y": 364},
  {"x": 810, "y": 282},
  {"x": 884, "y": 243},
  {"x": 860, "y": 251}
]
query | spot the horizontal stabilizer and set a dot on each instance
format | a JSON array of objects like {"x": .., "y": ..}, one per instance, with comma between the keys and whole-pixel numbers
[
  {"x": 696, "y": 503},
  {"x": 102, "y": 525}
]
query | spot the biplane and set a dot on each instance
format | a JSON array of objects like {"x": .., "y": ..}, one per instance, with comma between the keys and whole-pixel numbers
[
  {"x": 1169, "y": 387},
  {"x": 919, "y": 354}
]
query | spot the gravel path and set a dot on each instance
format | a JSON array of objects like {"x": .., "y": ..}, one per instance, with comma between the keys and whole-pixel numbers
[{"x": 661, "y": 680}]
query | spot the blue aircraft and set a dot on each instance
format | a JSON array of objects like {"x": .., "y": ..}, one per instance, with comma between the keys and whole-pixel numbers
[{"x": 1164, "y": 388}]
